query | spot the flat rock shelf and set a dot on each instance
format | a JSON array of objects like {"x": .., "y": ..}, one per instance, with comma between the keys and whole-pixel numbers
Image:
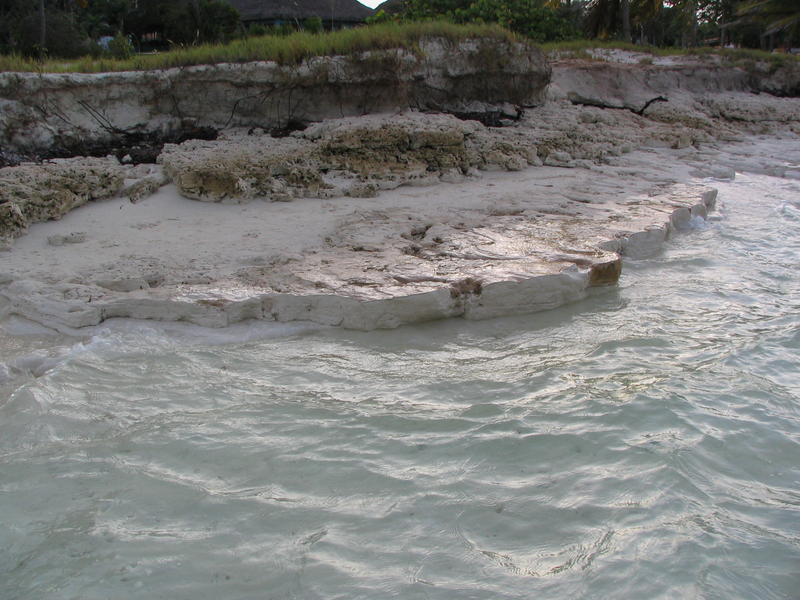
[{"x": 493, "y": 245}]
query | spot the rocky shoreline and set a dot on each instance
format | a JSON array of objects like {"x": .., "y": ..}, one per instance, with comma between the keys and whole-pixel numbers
[{"x": 393, "y": 217}]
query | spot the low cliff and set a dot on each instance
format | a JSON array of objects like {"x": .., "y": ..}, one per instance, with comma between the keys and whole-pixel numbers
[
  {"x": 611, "y": 84},
  {"x": 328, "y": 224},
  {"x": 70, "y": 112}
]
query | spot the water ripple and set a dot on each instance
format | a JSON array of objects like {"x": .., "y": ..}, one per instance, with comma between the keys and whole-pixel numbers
[{"x": 634, "y": 445}]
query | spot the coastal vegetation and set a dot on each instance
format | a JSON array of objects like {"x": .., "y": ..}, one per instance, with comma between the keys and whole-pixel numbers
[
  {"x": 581, "y": 49},
  {"x": 764, "y": 24},
  {"x": 301, "y": 45},
  {"x": 118, "y": 35},
  {"x": 283, "y": 49}
]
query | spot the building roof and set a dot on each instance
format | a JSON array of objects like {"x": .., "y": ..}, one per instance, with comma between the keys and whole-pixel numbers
[
  {"x": 267, "y": 10},
  {"x": 392, "y": 7}
]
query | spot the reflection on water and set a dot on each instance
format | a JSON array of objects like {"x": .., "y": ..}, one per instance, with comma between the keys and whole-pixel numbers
[{"x": 643, "y": 443}]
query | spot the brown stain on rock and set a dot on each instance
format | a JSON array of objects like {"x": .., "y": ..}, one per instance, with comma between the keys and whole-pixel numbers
[
  {"x": 468, "y": 285},
  {"x": 606, "y": 273}
]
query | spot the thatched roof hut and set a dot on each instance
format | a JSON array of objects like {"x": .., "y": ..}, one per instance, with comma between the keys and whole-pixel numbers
[
  {"x": 392, "y": 7},
  {"x": 334, "y": 13}
]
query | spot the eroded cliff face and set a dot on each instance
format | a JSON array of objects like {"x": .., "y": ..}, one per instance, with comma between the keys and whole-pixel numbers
[
  {"x": 626, "y": 85},
  {"x": 616, "y": 174},
  {"x": 595, "y": 112},
  {"x": 39, "y": 112}
]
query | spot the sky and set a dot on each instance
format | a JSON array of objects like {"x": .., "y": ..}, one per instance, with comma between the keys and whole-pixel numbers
[{"x": 371, "y": 3}]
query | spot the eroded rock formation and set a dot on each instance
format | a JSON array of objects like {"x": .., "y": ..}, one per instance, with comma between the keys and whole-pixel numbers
[
  {"x": 364, "y": 254},
  {"x": 39, "y": 112},
  {"x": 344, "y": 157},
  {"x": 33, "y": 193}
]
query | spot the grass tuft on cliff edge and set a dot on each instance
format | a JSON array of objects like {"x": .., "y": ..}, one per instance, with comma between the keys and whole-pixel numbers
[
  {"x": 285, "y": 50},
  {"x": 733, "y": 56}
]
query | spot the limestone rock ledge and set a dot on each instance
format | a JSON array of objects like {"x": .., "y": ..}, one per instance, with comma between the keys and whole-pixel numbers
[
  {"x": 383, "y": 272},
  {"x": 607, "y": 184}
]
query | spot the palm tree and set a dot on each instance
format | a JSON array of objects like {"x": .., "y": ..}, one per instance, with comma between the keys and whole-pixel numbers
[
  {"x": 777, "y": 15},
  {"x": 606, "y": 17}
]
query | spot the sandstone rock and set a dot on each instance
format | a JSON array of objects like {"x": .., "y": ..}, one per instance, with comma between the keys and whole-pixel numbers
[
  {"x": 412, "y": 259},
  {"x": 558, "y": 159},
  {"x": 12, "y": 223},
  {"x": 782, "y": 81},
  {"x": 143, "y": 188},
  {"x": 243, "y": 168}
]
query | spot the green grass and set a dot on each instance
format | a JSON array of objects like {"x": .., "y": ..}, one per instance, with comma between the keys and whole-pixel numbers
[
  {"x": 736, "y": 56},
  {"x": 286, "y": 50},
  {"x": 294, "y": 48}
]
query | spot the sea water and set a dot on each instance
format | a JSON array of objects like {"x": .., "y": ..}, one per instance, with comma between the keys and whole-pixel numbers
[{"x": 643, "y": 443}]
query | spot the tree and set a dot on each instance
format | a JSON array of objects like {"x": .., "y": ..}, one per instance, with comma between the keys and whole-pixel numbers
[
  {"x": 609, "y": 18},
  {"x": 717, "y": 17},
  {"x": 431, "y": 9},
  {"x": 42, "y": 25},
  {"x": 530, "y": 18},
  {"x": 777, "y": 17},
  {"x": 625, "y": 13},
  {"x": 183, "y": 21}
]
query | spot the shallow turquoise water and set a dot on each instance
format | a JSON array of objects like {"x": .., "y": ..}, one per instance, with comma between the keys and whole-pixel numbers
[{"x": 643, "y": 443}]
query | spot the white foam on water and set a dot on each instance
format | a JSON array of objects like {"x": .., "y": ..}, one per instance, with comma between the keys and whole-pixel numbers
[{"x": 121, "y": 336}]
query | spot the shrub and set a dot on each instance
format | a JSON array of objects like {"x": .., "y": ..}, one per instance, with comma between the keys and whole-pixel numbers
[
  {"x": 527, "y": 18},
  {"x": 379, "y": 17},
  {"x": 257, "y": 29},
  {"x": 120, "y": 47},
  {"x": 313, "y": 25}
]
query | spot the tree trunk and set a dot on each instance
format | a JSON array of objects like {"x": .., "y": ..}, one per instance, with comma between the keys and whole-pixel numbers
[
  {"x": 196, "y": 19},
  {"x": 42, "y": 25},
  {"x": 625, "y": 6}
]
